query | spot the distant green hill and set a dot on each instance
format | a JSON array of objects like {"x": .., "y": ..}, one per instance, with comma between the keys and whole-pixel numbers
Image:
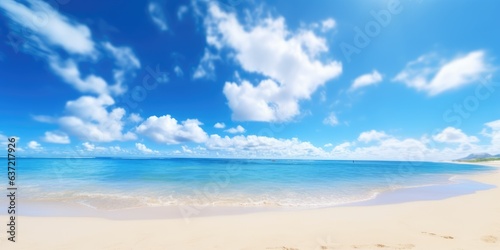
[{"x": 480, "y": 158}]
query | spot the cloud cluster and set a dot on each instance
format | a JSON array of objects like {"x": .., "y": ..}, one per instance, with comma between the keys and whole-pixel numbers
[
  {"x": 236, "y": 130},
  {"x": 65, "y": 44},
  {"x": 143, "y": 149},
  {"x": 166, "y": 129},
  {"x": 89, "y": 119},
  {"x": 288, "y": 60},
  {"x": 492, "y": 131},
  {"x": 262, "y": 146},
  {"x": 454, "y": 135},
  {"x": 372, "y": 135}
]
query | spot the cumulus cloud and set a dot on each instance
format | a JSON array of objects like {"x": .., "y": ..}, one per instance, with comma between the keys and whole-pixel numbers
[
  {"x": 263, "y": 146},
  {"x": 166, "y": 129},
  {"x": 220, "y": 125},
  {"x": 328, "y": 24},
  {"x": 185, "y": 149},
  {"x": 141, "y": 147},
  {"x": 134, "y": 117},
  {"x": 366, "y": 80},
  {"x": 341, "y": 148},
  {"x": 157, "y": 15},
  {"x": 435, "y": 75},
  {"x": 89, "y": 119},
  {"x": 372, "y": 135},
  {"x": 288, "y": 60},
  {"x": 56, "y": 137},
  {"x": 236, "y": 130},
  {"x": 34, "y": 145},
  {"x": 492, "y": 131},
  {"x": 454, "y": 135},
  {"x": 331, "y": 120},
  {"x": 64, "y": 44},
  {"x": 88, "y": 146}
]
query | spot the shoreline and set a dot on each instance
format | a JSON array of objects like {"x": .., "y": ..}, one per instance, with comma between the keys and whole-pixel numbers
[
  {"x": 432, "y": 192},
  {"x": 470, "y": 221},
  {"x": 464, "y": 185}
]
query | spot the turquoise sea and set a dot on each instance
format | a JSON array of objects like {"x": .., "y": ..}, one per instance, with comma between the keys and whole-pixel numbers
[{"x": 110, "y": 183}]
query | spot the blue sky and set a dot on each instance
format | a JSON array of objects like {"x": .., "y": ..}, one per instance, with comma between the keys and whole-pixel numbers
[{"x": 398, "y": 80}]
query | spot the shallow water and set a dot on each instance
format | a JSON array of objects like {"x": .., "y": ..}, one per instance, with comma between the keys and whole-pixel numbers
[{"x": 108, "y": 183}]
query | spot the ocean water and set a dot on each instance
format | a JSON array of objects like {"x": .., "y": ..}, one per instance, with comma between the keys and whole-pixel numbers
[{"x": 109, "y": 183}]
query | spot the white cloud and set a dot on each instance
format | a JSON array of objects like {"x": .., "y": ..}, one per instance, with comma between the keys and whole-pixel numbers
[
  {"x": 206, "y": 66},
  {"x": 4, "y": 139},
  {"x": 328, "y": 145},
  {"x": 492, "y": 131},
  {"x": 116, "y": 149},
  {"x": 237, "y": 130},
  {"x": 134, "y": 117},
  {"x": 454, "y": 135},
  {"x": 289, "y": 61},
  {"x": 331, "y": 120},
  {"x": 50, "y": 27},
  {"x": 56, "y": 137},
  {"x": 88, "y": 146},
  {"x": 34, "y": 145},
  {"x": 366, "y": 80},
  {"x": 126, "y": 63},
  {"x": 220, "y": 125},
  {"x": 263, "y": 146},
  {"x": 388, "y": 147},
  {"x": 372, "y": 135},
  {"x": 434, "y": 75},
  {"x": 141, "y": 147},
  {"x": 181, "y": 11},
  {"x": 166, "y": 129},
  {"x": 50, "y": 31},
  {"x": 186, "y": 150},
  {"x": 156, "y": 14},
  {"x": 89, "y": 119},
  {"x": 69, "y": 72},
  {"x": 328, "y": 24},
  {"x": 341, "y": 148},
  {"x": 125, "y": 57},
  {"x": 64, "y": 43}
]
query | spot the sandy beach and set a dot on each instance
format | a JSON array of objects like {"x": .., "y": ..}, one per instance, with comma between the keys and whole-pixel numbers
[{"x": 463, "y": 222}]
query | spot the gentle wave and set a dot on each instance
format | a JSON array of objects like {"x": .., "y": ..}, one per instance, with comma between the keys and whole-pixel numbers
[{"x": 123, "y": 183}]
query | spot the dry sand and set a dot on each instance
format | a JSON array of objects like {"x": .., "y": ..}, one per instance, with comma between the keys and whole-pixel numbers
[{"x": 463, "y": 222}]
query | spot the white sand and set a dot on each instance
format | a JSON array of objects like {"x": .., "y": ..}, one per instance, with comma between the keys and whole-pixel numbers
[{"x": 464, "y": 222}]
